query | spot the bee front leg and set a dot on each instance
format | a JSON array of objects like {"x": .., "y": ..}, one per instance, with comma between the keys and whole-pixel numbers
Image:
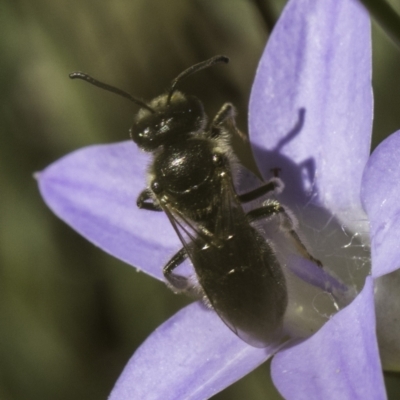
[
  {"x": 273, "y": 185},
  {"x": 145, "y": 201},
  {"x": 225, "y": 115},
  {"x": 274, "y": 208},
  {"x": 177, "y": 282}
]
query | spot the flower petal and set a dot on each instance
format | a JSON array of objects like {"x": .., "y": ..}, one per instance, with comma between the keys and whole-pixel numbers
[
  {"x": 191, "y": 356},
  {"x": 380, "y": 194},
  {"x": 387, "y": 305},
  {"x": 94, "y": 190},
  {"x": 311, "y": 103},
  {"x": 341, "y": 361}
]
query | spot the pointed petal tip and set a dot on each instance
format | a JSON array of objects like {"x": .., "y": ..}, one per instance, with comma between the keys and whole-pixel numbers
[
  {"x": 94, "y": 190},
  {"x": 195, "y": 354}
]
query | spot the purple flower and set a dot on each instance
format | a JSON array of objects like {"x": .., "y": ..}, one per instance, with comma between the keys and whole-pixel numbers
[{"x": 311, "y": 116}]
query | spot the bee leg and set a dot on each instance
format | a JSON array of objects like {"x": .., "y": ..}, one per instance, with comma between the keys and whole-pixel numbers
[
  {"x": 178, "y": 283},
  {"x": 273, "y": 185},
  {"x": 274, "y": 208},
  {"x": 225, "y": 114},
  {"x": 145, "y": 201}
]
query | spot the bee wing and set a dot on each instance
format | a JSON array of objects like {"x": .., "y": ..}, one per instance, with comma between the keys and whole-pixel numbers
[
  {"x": 191, "y": 234},
  {"x": 198, "y": 246},
  {"x": 228, "y": 209},
  {"x": 226, "y": 214},
  {"x": 234, "y": 269}
]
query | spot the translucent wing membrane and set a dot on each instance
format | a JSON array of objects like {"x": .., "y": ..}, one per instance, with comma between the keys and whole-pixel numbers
[
  {"x": 236, "y": 268},
  {"x": 229, "y": 206}
]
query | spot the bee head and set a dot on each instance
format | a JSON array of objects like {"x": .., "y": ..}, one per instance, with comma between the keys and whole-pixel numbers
[
  {"x": 173, "y": 119},
  {"x": 168, "y": 118}
]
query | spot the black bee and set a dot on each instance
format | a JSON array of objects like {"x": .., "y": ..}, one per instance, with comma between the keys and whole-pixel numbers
[{"x": 190, "y": 179}]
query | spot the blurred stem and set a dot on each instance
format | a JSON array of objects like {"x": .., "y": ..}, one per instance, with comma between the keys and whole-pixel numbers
[
  {"x": 386, "y": 17},
  {"x": 265, "y": 9}
]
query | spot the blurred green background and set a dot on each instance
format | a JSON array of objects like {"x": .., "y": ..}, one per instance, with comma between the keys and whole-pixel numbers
[{"x": 70, "y": 315}]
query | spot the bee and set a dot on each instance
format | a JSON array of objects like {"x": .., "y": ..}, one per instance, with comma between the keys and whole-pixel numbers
[{"x": 191, "y": 180}]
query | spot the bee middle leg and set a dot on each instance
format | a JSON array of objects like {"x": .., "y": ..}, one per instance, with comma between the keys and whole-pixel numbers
[
  {"x": 274, "y": 208},
  {"x": 273, "y": 185},
  {"x": 177, "y": 282}
]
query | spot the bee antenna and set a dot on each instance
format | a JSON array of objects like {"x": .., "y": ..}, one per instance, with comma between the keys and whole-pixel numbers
[
  {"x": 95, "y": 82},
  {"x": 195, "y": 68}
]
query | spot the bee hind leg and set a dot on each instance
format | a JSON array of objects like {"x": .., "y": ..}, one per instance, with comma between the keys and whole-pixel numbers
[{"x": 274, "y": 208}]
